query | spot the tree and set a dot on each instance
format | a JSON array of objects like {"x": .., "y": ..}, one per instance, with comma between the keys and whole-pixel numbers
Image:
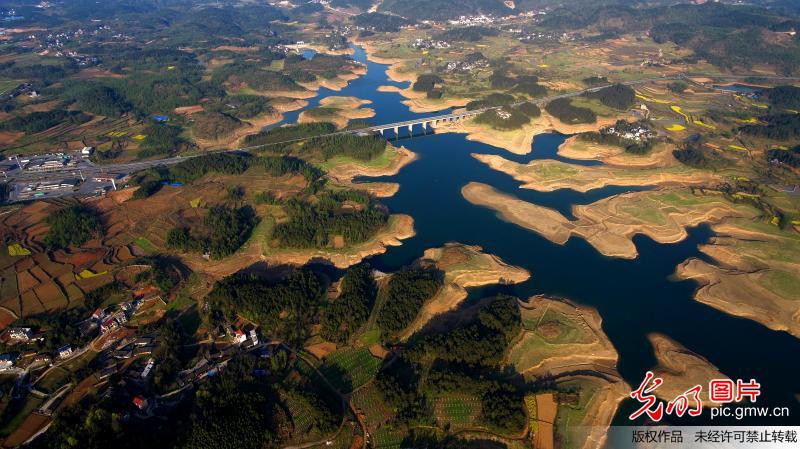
[
  {"x": 480, "y": 342},
  {"x": 563, "y": 110},
  {"x": 618, "y": 96},
  {"x": 214, "y": 125},
  {"x": 350, "y": 310},
  {"x": 284, "y": 309},
  {"x": 73, "y": 225},
  {"x": 426, "y": 82},
  {"x": 404, "y": 295}
]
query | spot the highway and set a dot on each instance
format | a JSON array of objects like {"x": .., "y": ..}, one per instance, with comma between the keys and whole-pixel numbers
[{"x": 87, "y": 169}]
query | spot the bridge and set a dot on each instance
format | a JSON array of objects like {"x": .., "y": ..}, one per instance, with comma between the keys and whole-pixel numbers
[
  {"x": 436, "y": 120},
  {"x": 425, "y": 122},
  {"x": 90, "y": 169}
]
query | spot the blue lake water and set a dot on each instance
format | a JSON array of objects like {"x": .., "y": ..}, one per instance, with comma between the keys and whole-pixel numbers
[
  {"x": 739, "y": 88},
  {"x": 634, "y": 297}
]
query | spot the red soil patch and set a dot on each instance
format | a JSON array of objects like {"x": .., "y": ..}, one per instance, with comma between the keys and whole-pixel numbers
[
  {"x": 31, "y": 304},
  {"x": 358, "y": 442},
  {"x": 338, "y": 241},
  {"x": 39, "y": 274},
  {"x": 7, "y": 137},
  {"x": 378, "y": 351},
  {"x": 145, "y": 291},
  {"x": 452, "y": 256},
  {"x": 75, "y": 294},
  {"x": 124, "y": 253},
  {"x": 94, "y": 283},
  {"x": 50, "y": 296},
  {"x": 189, "y": 110},
  {"x": 26, "y": 281},
  {"x": 549, "y": 330},
  {"x": 321, "y": 350},
  {"x": 54, "y": 269},
  {"x": 80, "y": 257},
  {"x": 12, "y": 304},
  {"x": 24, "y": 264},
  {"x": 80, "y": 391},
  {"x": 32, "y": 424}
]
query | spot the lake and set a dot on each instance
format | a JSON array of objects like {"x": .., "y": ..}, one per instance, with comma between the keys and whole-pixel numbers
[{"x": 634, "y": 297}]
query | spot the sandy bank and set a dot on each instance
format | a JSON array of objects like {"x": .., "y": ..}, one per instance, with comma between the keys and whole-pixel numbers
[
  {"x": 560, "y": 337},
  {"x": 576, "y": 148},
  {"x": 520, "y": 141},
  {"x": 605, "y": 394},
  {"x": 343, "y": 170},
  {"x": 376, "y": 189},
  {"x": 322, "y": 49},
  {"x": 550, "y": 175},
  {"x": 417, "y": 102},
  {"x": 370, "y": 49},
  {"x": 254, "y": 125},
  {"x": 610, "y": 224},
  {"x": 340, "y": 111},
  {"x": 336, "y": 83},
  {"x": 566, "y": 340},
  {"x": 394, "y": 89},
  {"x": 754, "y": 273},
  {"x": 400, "y": 228},
  {"x": 681, "y": 370}
]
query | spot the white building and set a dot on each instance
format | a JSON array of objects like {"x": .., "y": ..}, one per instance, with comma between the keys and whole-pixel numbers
[
  {"x": 20, "y": 333},
  {"x": 64, "y": 351}
]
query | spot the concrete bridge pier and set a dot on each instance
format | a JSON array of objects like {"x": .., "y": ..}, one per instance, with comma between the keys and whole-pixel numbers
[
  {"x": 396, "y": 132},
  {"x": 411, "y": 130}
]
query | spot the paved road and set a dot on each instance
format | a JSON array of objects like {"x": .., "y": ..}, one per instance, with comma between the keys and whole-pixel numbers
[{"x": 88, "y": 169}]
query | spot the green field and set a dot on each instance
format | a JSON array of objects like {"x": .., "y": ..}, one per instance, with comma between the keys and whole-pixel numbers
[
  {"x": 302, "y": 413},
  {"x": 370, "y": 401},
  {"x": 7, "y": 85},
  {"x": 387, "y": 438},
  {"x": 54, "y": 379},
  {"x": 569, "y": 417},
  {"x": 349, "y": 368},
  {"x": 145, "y": 244},
  {"x": 370, "y": 337},
  {"x": 782, "y": 283},
  {"x": 459, "y": 411},
  {"x": 31, "y": 404}
]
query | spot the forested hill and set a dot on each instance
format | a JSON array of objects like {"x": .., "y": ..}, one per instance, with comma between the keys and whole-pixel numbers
[
  {"x": 444, "y": 9},
  {"x": 727, "y": 36}
]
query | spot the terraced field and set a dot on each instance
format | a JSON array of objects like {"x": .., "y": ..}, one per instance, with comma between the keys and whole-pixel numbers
[{"x": 349, "y": 368}]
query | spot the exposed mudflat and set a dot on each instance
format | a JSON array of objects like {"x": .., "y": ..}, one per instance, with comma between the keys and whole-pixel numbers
[
  {"x": 520, "y": 141},
  {"x": 610, "y": 224},
  {"x": 754, "y": 273},
  {"x": 681, "y": 370},
  {"x": 550, "y": 175},
  {"x": 560, "y": 337},
  {"x": 338, "y": 110},
  {"x": 576, "y": 148}
]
